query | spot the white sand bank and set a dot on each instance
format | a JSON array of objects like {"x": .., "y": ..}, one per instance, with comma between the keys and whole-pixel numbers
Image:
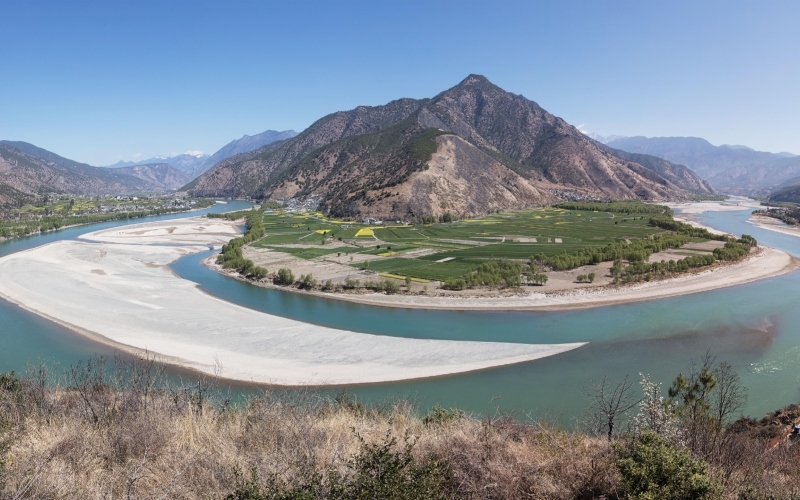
[
  {"x": 731, "y": 205},
  {"x": 119, "y": 291},
  {"x": 684, "y": 212},
  {"x": 772, "y": 224}
]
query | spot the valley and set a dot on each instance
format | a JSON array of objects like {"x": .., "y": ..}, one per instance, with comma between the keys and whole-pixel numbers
[{"x": 399, "y": 250}]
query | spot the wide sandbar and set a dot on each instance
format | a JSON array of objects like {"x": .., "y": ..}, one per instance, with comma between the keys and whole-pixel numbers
[{"x": 119, "y": 290}]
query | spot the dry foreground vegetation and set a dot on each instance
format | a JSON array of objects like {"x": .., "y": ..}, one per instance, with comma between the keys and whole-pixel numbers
[
  {"x": 122, "y": 430},
  {"x": 568, "y": 247}
]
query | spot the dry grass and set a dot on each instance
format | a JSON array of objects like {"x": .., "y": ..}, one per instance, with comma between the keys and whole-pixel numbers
[
  {"x": 131, "y": 435},
  {"x": 122, "y": 431}
]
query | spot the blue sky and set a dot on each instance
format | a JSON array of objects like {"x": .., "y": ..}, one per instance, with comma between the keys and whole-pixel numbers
[{"x": 109, "y": 80}]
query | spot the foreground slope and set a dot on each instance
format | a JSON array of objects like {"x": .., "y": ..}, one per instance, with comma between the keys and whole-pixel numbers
[{"x": 496, "y": 150}]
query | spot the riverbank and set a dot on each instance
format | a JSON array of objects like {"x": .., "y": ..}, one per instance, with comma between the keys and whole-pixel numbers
[
  {"x": 115, "y": 286},
  {"x": 115, "y": 217},
  {"x": 773, "y": 224},
  {"x": 764, "y": 263}
]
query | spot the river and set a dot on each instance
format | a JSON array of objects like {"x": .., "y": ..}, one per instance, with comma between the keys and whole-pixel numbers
[{"x": 754, "y": 327}]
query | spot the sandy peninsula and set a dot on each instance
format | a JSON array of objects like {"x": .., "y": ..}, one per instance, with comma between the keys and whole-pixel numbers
[
  {"x": 115, "y": 287},
  {"x": 764, "y": 263},
  {"x": 561, "y": 292},
  {"x": 773, "y": 224}
]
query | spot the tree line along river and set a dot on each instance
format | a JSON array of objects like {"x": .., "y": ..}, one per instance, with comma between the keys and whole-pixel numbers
[{"x": 755, "y": 327}]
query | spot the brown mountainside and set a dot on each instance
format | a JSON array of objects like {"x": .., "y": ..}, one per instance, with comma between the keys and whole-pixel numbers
[{"x": 471, "y": 149}]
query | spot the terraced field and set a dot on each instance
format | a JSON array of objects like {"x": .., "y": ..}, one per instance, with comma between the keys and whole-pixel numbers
[{"x": 449, "y": 250}]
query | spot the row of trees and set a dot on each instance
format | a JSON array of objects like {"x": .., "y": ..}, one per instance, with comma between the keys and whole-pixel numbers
[
  {"x": 636, "y": 271},
  {"x": 232, "y": 257},
  {"x": 285, "y": 277},
  {"x": 498, "y": 274},
  {"x": 635, "y": 251},
  {"x": 638, "y": 251},
  {"x": 735, "y": 249},
  {"x": 14, "y": 229},
  {"x": 623, "y": 207}
]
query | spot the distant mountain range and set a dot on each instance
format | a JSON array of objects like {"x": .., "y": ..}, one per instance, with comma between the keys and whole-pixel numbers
[
  {"x": 730, "y": 169},
  {"x": 196, "y": 164},
  {"x": 696, "y": 153},
  {"x": 603, "y": 139},
  {"x": 185, "y": 162},
  {"x": 472, "y": 149},
  {"x": 27, "y": 171}
]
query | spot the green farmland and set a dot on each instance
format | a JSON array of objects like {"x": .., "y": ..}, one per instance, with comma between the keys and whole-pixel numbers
[{"x": 450, "y": 250}]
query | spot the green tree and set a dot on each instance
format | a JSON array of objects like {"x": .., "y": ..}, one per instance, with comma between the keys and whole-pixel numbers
[
  {"x": 651, "y": 468},
  {"x": 307, "y": 282},
  {"x": 285, "y": 277}
]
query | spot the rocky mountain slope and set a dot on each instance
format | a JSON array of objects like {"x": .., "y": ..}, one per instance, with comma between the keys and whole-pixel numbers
[
  {"x": 471, "y": 149},
  {"x": 158, "y": 176},
  {"x": 698, "y": 154},
  {"x": 26, "y": 171},
  {"x": 244, "y": 145},
  {"x": 679, "y": 175},
  {"x": 790, "y": 194},
  {"x": 759, "y": 179}
]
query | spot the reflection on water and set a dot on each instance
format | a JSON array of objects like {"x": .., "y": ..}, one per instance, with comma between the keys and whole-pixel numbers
[{"x": 753, "y": 327}]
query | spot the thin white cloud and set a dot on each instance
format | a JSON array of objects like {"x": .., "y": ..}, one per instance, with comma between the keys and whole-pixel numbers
[{"x": 194, "y": 153}]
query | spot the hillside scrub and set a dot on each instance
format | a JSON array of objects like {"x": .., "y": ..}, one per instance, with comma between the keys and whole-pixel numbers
[{"x": 121, "y": 429}]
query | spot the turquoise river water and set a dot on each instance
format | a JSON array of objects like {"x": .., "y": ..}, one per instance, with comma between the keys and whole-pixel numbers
[{"x": 755, "y": 327}]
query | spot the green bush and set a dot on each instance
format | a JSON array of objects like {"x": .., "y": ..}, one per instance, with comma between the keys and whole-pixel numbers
[
  {"x": 651, "y": 469},
  {"x": 307, "y": 281},
  {"x": 537, "y": 279},
  {"x": 390, "y": 287},
  {"x": 10, "y": 383},
  {"x": 497, "y": 273},
  {"x": 454, "y": 284},
  {"x": 351, "y": 284},
  {"x": 442, "y": 416},
  {"x": 285, "y": 277},
  {"x": 383, "y": 471},
  {"x": 259, "y": 272}
]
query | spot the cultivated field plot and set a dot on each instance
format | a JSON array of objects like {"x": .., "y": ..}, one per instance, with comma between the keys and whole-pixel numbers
[{"x": 444, "y": 251}]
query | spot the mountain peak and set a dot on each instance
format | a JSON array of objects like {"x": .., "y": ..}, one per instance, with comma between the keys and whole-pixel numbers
[{"x": 474, "y": 79}]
